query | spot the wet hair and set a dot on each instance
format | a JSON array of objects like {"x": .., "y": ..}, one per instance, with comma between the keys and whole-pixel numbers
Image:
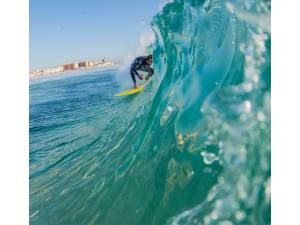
[{"x": 149, "y": 56}]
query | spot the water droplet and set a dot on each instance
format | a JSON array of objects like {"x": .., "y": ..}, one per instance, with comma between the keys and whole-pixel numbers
[
  {"x": 230, "y": 7},
  {"x": 261, "y": 116},
  {"x": 209, "y": 157},
  {"x": 170, "y": 108},
  {"x": 247, "y": 106},
  {"x": 239, "y": 215},
  {"x": 255, "y": 78},
  {"x": 247, "y": 87}
]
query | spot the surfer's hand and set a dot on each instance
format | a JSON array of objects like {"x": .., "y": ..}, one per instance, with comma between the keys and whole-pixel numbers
[{"x": 140, "y": 77}]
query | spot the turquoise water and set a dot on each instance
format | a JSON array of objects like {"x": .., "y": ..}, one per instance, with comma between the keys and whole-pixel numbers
[{"x": 193, "y": 148}]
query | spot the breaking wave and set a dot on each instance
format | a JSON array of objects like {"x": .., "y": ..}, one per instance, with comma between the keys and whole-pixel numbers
[{"x": 194, "y": 148}]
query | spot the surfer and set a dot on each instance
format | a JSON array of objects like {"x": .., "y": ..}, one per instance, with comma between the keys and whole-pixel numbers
[{"x": 141, "y": 63}]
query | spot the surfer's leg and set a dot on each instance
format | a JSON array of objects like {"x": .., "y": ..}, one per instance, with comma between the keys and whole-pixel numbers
[{"x": 133, "y": 77}]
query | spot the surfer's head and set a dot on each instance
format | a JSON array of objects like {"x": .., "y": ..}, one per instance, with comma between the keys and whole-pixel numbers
[{"x": 149, "y": 59}]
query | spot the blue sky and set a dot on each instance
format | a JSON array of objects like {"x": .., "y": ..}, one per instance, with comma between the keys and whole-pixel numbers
[{"x": 74, "y": 30}]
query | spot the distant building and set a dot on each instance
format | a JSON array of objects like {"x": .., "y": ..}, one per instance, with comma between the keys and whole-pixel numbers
[
  {"x": 81, "y": 64},
  {"x": 60, "y": 68},
  {"x": 90, "y": 63},
  {"x": 56, "y": 69},
  {"x": 68, "y": 67}
]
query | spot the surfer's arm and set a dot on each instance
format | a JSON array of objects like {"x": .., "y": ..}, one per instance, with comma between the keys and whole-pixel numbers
[{"x": 137, "y": 63}]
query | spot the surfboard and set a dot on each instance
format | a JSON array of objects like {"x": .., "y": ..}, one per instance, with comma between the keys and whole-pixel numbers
[{"x": 134, "y": 90}]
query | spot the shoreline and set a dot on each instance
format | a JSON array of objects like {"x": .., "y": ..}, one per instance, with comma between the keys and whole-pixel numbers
[{"x": 70, "y": 71}]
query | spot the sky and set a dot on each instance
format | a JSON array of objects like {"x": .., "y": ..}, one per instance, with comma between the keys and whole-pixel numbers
[{"x": 70, "y": 31}]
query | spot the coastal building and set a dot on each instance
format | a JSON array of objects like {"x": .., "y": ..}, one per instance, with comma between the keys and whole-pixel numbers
[
  {"x": 90, "y": 63},
  {"x": 70, "y": 66},
  {"x": 52, "y": 70},
  {"x": 75, "y": 66},
  {"x": 60, "y": 68},
  {"x": 81, "y": 64}
]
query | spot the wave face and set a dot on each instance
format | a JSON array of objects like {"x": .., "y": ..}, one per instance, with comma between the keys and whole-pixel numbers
[
  {"x": 194, "y": 148},
  {"x": 214, "y": 58}
]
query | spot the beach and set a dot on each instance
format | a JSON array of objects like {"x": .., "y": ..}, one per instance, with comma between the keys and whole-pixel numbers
[
  {"x": 41, "y": 73},
  {"x": 79, "y": 70}
]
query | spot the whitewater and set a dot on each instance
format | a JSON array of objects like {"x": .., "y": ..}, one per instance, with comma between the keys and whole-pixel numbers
[{"x": 192, "y": 148}]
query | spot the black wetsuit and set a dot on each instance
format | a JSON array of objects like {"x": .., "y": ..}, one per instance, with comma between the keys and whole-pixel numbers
[{"x": 140, "y": 63}]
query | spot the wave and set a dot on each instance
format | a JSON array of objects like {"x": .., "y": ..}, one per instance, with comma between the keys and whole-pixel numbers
[
  {"x": 213, "y": 59},
  {"x": 194, "y": 148}
]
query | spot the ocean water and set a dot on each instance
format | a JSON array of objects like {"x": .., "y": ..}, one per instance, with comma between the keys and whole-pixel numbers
[{"x": 193, "y": 148}]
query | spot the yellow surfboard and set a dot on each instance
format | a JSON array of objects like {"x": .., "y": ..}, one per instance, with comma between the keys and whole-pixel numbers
[{"x": 133, "y": 90}]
